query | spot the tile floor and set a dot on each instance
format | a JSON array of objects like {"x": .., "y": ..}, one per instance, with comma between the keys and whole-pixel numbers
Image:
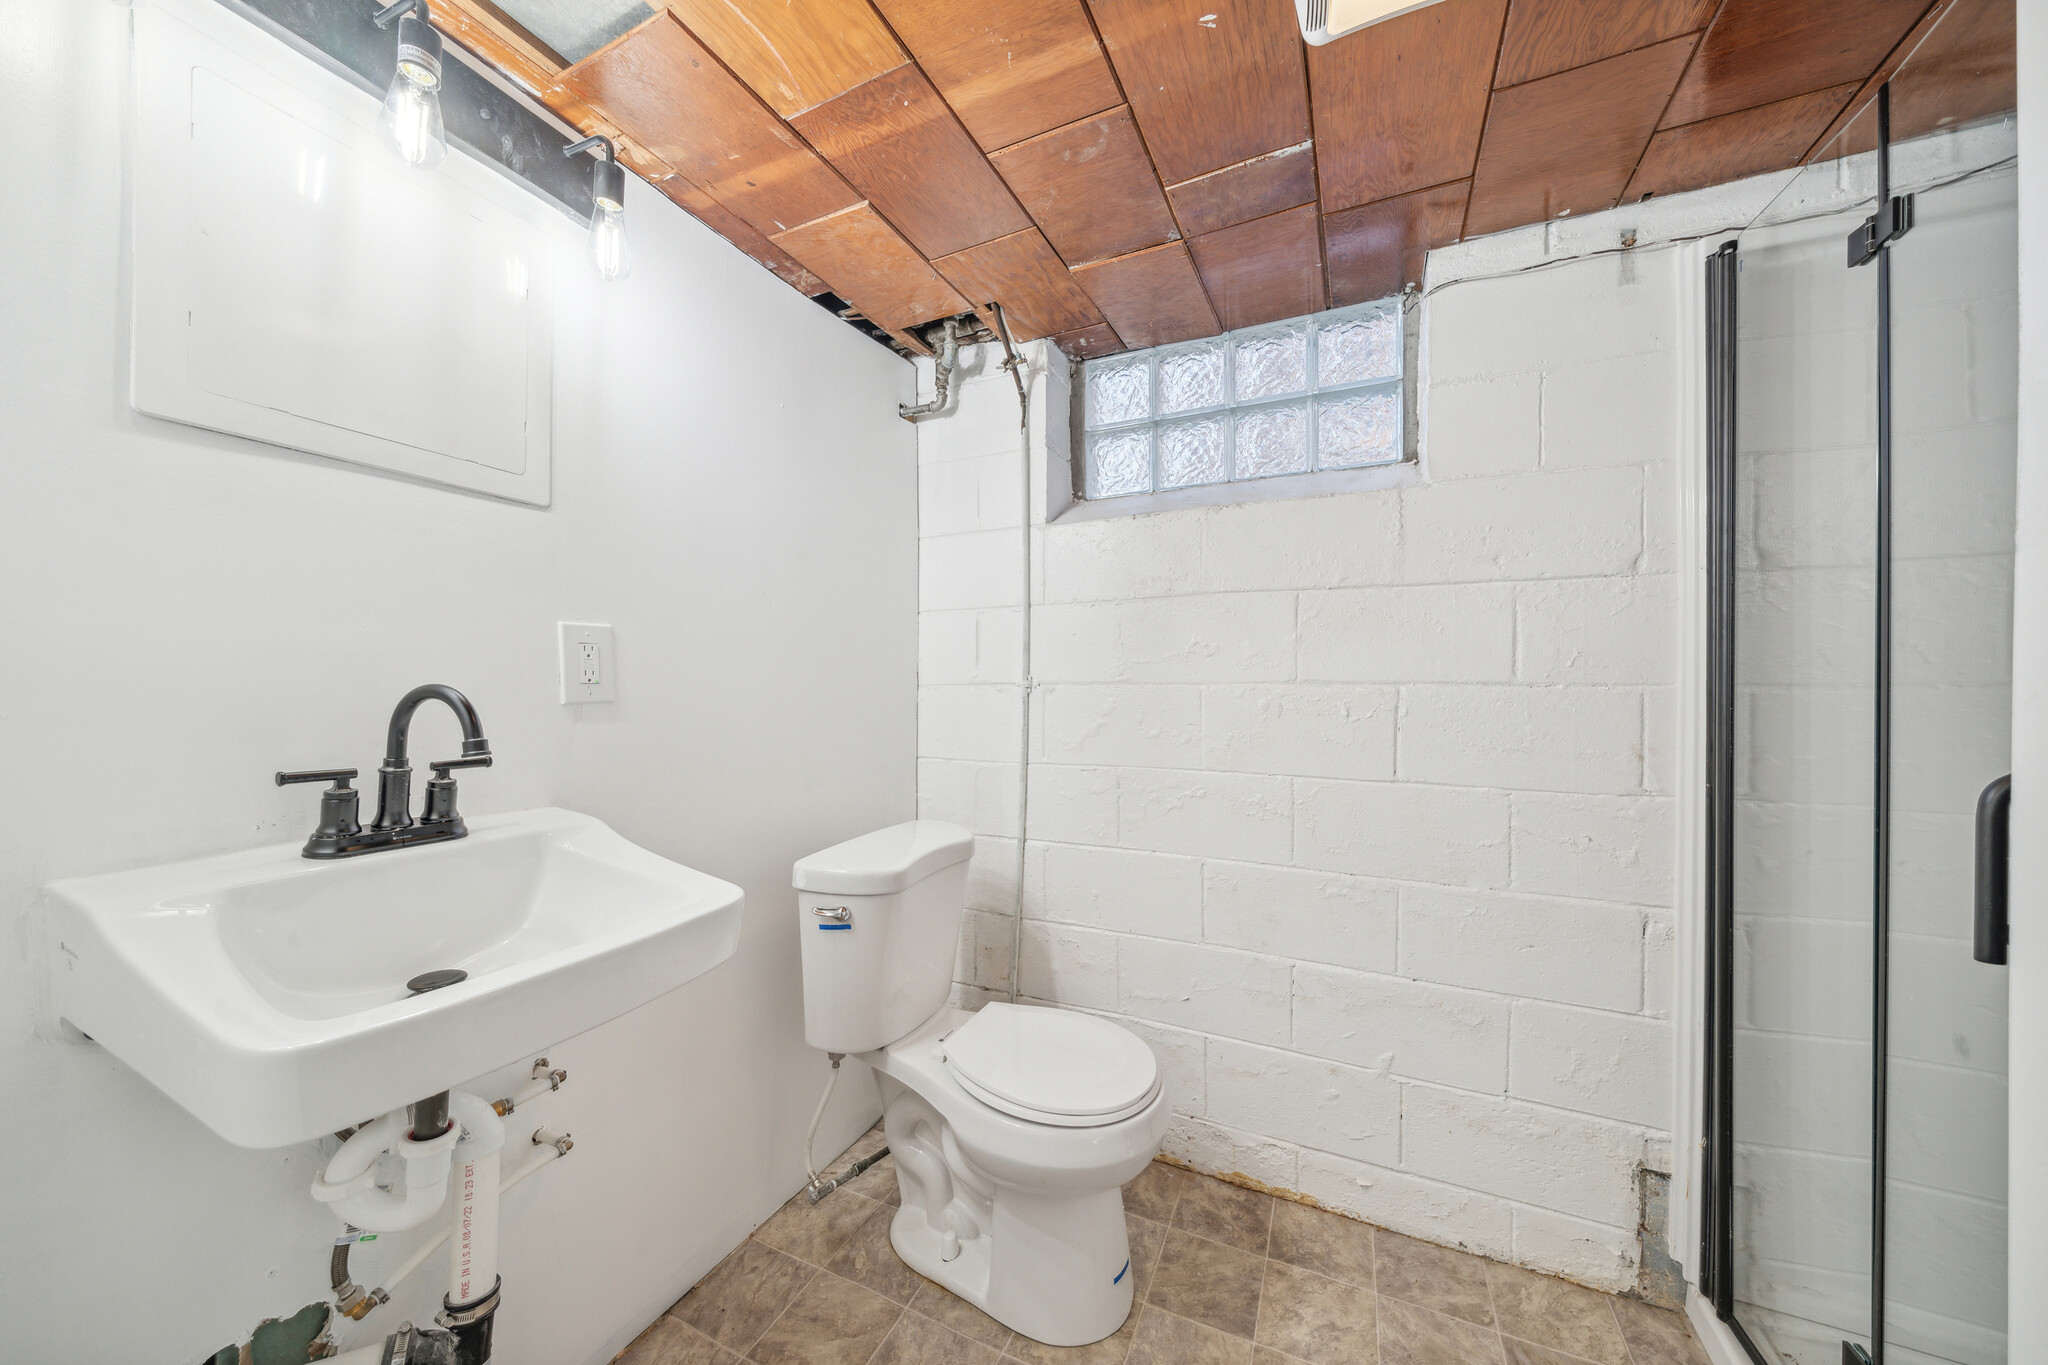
[{"x": 1225, "y": 1276}]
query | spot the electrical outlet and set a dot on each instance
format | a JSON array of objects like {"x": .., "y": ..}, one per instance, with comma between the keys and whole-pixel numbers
[{"x": 589, "y": 668}]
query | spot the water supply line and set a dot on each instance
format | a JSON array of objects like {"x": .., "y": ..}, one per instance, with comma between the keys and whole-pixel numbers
[
  {"x": 545, "y": 1082},
  {"x": 819, "y": 1186},
  {"x": 943, "y": 365},
  {"x": 553, "y": 1146},
  {"x": 447, "y": 1152},
  {"x": 816, "y": 1189},
  {"x": 1015, "y": 366}
]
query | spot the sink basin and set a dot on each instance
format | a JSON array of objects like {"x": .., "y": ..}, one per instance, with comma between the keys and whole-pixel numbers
[{"x": 266, "y": 992}]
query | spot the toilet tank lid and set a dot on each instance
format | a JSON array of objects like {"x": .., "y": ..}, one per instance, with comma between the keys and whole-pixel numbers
[{"x": 886, "y": 861}]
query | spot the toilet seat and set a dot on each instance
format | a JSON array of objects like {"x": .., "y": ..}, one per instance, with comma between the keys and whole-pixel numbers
[{"x": 1052, "y": 1066}]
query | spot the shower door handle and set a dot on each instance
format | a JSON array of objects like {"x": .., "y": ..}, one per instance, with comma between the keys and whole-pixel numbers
[{"x": 1994, "y": 842}]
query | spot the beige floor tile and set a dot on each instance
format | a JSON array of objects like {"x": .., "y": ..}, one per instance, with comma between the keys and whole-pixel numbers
[
  {"x": 917, "y": 1340},
  {"x": 1326, "y": 1243},
  {"x": 877, "y": 1182},
  {"x": 669, "y": 1342},
  {"x": 869, "y": 1260},
  {"x": 1220, "y": 1275},
  {"x": 1155, "y": 1191},
  {"x": 1314, "y": 1318},
  {"x": 1658, "y": 1336},
  {"x": 1521, "y": 1352},
  {"x": 832, "y": 1322},
  {"x": 1209, "y": 1282},
  {"x": 734, "y": 1304},
  {"x": 1411, "y": 1335},
  {"x": 1566, "y": 1317},
  {"x": 812, "y": 1232},
  {"x": 1165, "y": 1339},
  {"x": 955, "y": 1314},
  {"x": 1110, "y": 1350},
  {"x": 1436, "y": 1277},
  {"x": 1146, "y": 1238},
  {"x": 867, "y": 1144},
  {"x": 1224, "y": 1213}
]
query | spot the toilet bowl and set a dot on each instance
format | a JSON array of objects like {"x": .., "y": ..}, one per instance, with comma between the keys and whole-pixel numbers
[{"x": 1013, "y": 1128}]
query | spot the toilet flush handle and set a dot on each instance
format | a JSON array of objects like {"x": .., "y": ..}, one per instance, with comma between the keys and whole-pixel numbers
[{"x": 841, "y": 914}]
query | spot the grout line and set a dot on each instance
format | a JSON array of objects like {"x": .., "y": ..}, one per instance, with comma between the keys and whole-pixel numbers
[
  {"x": 1493, "y": 1303},
  {"x": 902, "y": 1311},
  {"x": 1614, "y": 1310},
  {"x": 815, "y": 1272}
]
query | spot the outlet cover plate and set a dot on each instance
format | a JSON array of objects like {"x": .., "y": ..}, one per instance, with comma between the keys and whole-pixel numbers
[{"x": 580, "y": 640}]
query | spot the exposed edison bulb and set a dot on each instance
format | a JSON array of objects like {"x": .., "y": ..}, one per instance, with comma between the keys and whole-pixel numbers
[
  {"x": 412, "y": 122},
  {"x": 608, "y": 251},
  {"x": 608, "y": 255},
  {"x": 412, "y": 106}
]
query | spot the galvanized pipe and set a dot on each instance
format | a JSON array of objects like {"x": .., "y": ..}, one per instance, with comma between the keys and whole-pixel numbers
[{"x": 943, "y": 365}]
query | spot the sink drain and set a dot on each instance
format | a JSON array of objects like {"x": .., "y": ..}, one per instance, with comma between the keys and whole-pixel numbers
[{"x": 434, "y": 981}]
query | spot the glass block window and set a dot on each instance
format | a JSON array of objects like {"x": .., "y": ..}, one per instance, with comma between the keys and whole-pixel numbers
[{"x": 1295, "y": 397}]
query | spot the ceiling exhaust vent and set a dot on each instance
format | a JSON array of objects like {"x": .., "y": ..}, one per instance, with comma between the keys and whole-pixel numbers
[{"x": 1322, "y": 20}]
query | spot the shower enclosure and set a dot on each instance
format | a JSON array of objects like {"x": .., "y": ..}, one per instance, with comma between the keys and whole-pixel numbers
[{"x": 1862, "y": 391}]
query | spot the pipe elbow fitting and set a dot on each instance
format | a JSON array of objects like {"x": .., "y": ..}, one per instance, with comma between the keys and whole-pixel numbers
[
  {"x": 421, "y": 1189},
  {"x": 479, "y": 1123}
]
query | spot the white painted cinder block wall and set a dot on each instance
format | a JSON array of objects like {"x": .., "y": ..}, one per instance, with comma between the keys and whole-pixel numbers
[{"x": 1357, "y": 807}]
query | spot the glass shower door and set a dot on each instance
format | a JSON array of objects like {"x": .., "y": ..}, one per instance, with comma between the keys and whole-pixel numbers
[
  {"x": 1805, "y": 610},
  {"x": 1864, "y": 454},
  {"x": 1955, "y": 375}
]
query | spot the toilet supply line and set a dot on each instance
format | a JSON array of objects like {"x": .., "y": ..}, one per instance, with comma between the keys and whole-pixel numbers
[{"x": 819, "y": 1186}]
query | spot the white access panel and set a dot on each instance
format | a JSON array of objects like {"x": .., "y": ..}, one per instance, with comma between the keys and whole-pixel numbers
[{"x": 296, "y": 283}]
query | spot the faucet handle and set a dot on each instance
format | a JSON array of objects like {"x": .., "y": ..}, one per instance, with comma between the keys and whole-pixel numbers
[
  {"x": 340, "y": 777},
  {"x": 338, "y": 811},
  {"x": 441, "y": 791}
]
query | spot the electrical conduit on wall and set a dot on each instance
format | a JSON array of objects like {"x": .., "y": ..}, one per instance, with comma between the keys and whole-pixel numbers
[{"x": 1015, "y": 365}]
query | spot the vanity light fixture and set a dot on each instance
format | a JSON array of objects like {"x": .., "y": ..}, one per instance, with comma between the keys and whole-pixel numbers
[
  {"x": 608, "y": 214},
  {"x": 412, "y": 106},
  {"x": 1322, "y": 20}
]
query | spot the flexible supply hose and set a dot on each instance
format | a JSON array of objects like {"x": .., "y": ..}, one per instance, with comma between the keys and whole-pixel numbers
[
  {"x": 349, "y": 1299},
  {"x": 811, "y": 1137},
  {"x": 820, "y": 1186}
]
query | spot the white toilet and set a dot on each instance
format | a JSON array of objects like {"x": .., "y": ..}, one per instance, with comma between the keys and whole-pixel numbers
[{"x": 1012, "y": 1128}]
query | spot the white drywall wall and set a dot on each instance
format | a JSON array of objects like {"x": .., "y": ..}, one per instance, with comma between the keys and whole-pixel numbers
[
  {"x": 187, "y": 613},
  {"x": 1357, "y": 808}
]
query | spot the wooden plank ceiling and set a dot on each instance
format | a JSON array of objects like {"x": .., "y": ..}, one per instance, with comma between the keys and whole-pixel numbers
[{"x": 1125, "y": 173}]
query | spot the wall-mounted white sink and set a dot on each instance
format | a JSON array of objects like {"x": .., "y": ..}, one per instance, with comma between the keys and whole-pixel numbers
[{"x": 267, "y": 993}]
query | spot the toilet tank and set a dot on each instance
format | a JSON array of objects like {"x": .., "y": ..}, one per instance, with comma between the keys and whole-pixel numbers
[{"x": 879, "y": 918}]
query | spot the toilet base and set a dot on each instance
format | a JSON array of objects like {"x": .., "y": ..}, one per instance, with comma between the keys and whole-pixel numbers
[{"x": 1052, "y": 1264}]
